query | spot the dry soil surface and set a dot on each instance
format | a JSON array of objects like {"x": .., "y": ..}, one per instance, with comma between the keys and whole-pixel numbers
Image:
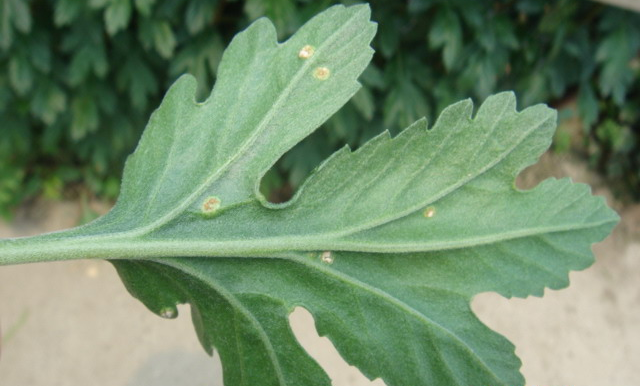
[{"x": 74, "y": 324}]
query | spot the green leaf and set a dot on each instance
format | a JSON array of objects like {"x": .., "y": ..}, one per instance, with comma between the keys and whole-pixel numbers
[
  {"x": 98, "y": 4},
  {"x": 144, "y": 6},
  {"x": 20, "y": 74},
  {"x": 163, "y": 39},
  {"x": 199, "y": 58},
  {"x": 84, "y": 116},
  {"x": 138, "y": 79},
  {"x": 117, "y": 15},
  {"x": 588, "y": 105},
  {"x": 199, "y": 13},
  {"x": 12, "y": 181},
  {"x": 40, "y": 53},
  {"x": 389, "y": 34},
  {"x": 615, "y": 53},
  {"x": 49, "y": 100},
  {"x": 87, "y": 46},
  {"x": 13, "y": 14},
  {"x": 6, "y": 29},
  {"x": 66, "y": 11},
  {"x": 404, "y": 104},
  {"x": 21, "y": 16},
  {"x": 446, "y": 32},
  {"x": 363, "y": 101},
  {"x": 385, "y": 246}
]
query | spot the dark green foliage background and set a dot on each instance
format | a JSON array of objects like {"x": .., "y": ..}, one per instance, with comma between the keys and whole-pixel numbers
[{"x": 79, "y": 79}]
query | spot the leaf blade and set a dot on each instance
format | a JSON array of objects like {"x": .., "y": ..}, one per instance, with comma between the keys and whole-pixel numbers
[
  {"x": 386, "y": 245},
  {"x": 251, "y": 58}
]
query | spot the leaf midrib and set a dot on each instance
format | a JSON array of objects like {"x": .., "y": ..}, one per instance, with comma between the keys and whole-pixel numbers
[
  {"x": 309, "y": 243},
  {"x": 85, "y": 247}
]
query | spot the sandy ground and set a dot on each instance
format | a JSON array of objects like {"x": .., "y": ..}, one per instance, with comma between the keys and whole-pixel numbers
[{"x": 73, "y": 323}]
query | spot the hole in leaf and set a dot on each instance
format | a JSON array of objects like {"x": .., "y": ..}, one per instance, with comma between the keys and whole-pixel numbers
[
  {"x": 322, "y": 350},
  {"x": 549, "y": 165},
  {"x": 281, "y": 182},
  {"x": 284, "y": 178}
]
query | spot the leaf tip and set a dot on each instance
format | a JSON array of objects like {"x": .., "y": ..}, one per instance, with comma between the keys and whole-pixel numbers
[
  {"x": 503, "y": 101},
  {"x": 462, "y": 110},
  {"x": 364, "y": 9},
  {"x": 361, "y": 12},
  {"x": 185, "y": 85}
]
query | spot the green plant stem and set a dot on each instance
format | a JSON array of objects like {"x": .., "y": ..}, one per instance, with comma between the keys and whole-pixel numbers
[{"x": 57, "y": 247}]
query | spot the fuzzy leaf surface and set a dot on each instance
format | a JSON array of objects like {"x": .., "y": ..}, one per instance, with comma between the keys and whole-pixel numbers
[{"x": 385, "y": 246}]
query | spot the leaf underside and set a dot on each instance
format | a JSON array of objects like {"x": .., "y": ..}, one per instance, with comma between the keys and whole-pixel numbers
[{"x": 385, "y": 246}]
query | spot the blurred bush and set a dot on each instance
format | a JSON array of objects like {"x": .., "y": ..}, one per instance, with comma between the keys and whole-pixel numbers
[{"x": 79, "y": 79}]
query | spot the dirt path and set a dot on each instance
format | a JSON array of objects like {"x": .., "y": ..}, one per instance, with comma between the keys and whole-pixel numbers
[{"x": 73, "y": 323}]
